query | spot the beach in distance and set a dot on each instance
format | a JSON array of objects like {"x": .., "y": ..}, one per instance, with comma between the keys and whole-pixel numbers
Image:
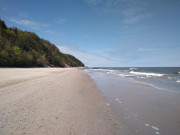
[{"x": 51, "y": 101}]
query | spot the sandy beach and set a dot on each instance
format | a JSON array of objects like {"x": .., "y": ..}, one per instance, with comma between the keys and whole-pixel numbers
[{"x": 51, "y": 101}]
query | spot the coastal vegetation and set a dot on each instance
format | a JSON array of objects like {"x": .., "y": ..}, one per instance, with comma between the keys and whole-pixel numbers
[{"x": 25, "y": 49}]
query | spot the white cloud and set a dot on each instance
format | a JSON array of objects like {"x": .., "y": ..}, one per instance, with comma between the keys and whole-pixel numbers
[
  {"x": 42, "y": 27},
  {"x": 89, "y": 59},
  {"x": 52, "y": 32},
  {"x": 49, "y": 31},
  {"x": 135, "y": 12},
  {"x": 28, "y": 23},
  {"x": 137, "y": 18},
  {"x": 5, "y": 9},
  {"x": 148, "y": 49},
  {"x": 60, "y": 20},
  {"x": 105, "y": 6},
  {"x": 107, "y": 3},
  {"x": 22, "y": 14},
  {"x": 94, "y": 2},
  {"x": 112, "y": 58},
  {"x": 86, "y": 36},
  {"x": 132, "y": 11}
]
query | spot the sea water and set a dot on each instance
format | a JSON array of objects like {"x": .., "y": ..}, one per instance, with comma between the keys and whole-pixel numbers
[
  {"x": 145, "y": 98},
  {"x": 162, "y": 78}
]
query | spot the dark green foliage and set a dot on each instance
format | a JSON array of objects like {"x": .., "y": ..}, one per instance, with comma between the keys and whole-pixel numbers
[{"x": 25, "y": 49}]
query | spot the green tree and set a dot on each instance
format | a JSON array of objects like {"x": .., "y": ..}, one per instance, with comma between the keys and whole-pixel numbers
[
  {"x": 24, "y": 49},
  {"x": 41, "y": 61}
]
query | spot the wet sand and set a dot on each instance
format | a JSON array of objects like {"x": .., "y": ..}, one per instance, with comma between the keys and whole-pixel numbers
[
  {"x": 144, "y": 109},
  {"x": 51, "y": 101}
]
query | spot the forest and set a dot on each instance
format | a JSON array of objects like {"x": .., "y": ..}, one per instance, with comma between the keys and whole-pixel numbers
[{"x": 26, "y": 49}]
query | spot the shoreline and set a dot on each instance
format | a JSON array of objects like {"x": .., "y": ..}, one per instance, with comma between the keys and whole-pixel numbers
[
  {"x": 143, "y": 109},
  {"x": 54, "y": 101}
]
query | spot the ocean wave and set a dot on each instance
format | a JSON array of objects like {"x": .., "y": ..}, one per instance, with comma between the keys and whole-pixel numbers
[
  {"x": 112, "y": 72},
  {"x": 177, "y": 73},
  {"x": 103, "y": 70},
  {"x": 147, "y": 74},
  {"x": 171, "y": 78},
  {"x": 133, "y": 69}
]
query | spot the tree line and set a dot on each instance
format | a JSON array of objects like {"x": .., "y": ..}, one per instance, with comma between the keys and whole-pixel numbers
[{"x": 25, "y": 49}]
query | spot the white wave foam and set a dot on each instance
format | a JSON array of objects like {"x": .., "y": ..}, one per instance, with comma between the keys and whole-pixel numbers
[
  {"x": 157, "y": 133},
  {"x": 98, "y": 69},
  {"x": 112, "y": 72},
  {"x": 155, "y": 128},
  {"x": 124, "y": 75},
  {"x": 172, "y": 78},
  {"x": 147, "y": 125},
  {"x": 157, "y": 87},
  {"x": 178, "y": 72},
  {"x": 141, "y": 77},
  {"x": 146, "y": 74},
  {"x": 102, "y": 70},
  {"x": 178, "y": 81}
]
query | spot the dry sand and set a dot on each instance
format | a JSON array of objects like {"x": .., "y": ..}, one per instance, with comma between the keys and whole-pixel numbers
[{"x": 53, "y": 101}]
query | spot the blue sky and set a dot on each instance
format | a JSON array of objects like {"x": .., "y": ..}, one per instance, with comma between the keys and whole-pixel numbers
[{"x": 103, "y": 32}]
